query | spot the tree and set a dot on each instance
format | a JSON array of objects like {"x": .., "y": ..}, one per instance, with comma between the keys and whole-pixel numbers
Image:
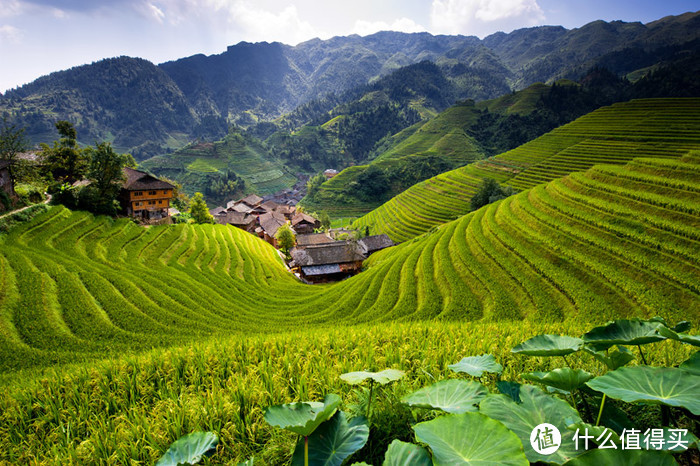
[
  {"x": 105, "y": 170},
  {"x": 13, "y": 142},
  {"x": 490, "y": 191},
  {"x": 199, "y": 210},
  {"x": 285, "y": 238},
  {"x": 325, "y": 220},
  {"x": 65, "y": 161}
]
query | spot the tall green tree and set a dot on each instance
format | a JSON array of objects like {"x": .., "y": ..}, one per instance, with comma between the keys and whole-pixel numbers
[
  {"x": 199, "y": 210},
  {"x": 490, "y": 191},
  {"x": 13, "y": 142},
  {"x": 105, "y": 170},
  {"x": 65, "y": 161},
  {"x": 285, "y": 239}
]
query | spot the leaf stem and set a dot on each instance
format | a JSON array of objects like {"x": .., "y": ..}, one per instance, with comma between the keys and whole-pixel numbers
[
  {"x": 642, "y": 355},
  {"x": 600, "y": 411},
  {"x": 369, "y": 402},
  {"x": 566, "y": 360},
  {"x": 306, "y": 451}
]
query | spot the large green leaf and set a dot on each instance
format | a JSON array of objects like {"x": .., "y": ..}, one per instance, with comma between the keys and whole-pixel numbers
[
  {"x": 657, "y": 385},
  {"x": 477, "y": 365},
  {"x": 692, "y": 365},
  {"x": 625, "y": 332},
  {"x": 303, "y": 417},
  {"x": 189, "y": 449},
  {"x": 382, "y": 377},
  {"x": 535, "y": 408},
  {"x": 452, "y": 396},
  {"x": 549, "y": 345},
  {"x": 612, "y": 457},
  {"x": 613, "y": 359},
  {"x": 470, "y": 439},
  {"x": 563, "y": 378},
  {"x": 401, "y": 454},
  {"x": 333, "y": 441},
  {"x": 682, "y": 337}
]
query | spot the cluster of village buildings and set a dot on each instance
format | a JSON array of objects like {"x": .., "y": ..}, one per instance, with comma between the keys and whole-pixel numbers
[{"x": 317, "y": 256}]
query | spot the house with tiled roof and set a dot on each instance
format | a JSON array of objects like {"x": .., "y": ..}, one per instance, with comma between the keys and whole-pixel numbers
[
  {"x": 240, "y": 220},
  {"x": 304, "y": 224},
  {"x": 145, "y": 196},
  {"x": 269, "y": 224},
  {"x": 327, "y": 262}
]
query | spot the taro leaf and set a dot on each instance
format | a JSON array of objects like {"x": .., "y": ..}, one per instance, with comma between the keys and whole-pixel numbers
[
  {"x": 333, "y": 441},
  {"x": 612, "y": 359},
  {"x": 563, "y": 378},
  {"x": 682, "y": 326},
  {"x": 303, "y": 417},
  {"x": 585, "y": 428},
  {"x": 401, "y": 453},
  {"x": 692, "y": 365},
  {"x": 477, "y": 365},
  {"x": 612, "y": 457},
  {"x": 657, "y": 385},
  {"x": 549, "y": 345},
  {"x": 536, "y": 408},
  {"x": 470, "y": 438},
  {"x": 451, "y": 396},
  {"x": 189, "y": 449},
  {"x": 512, "y": 389},
  {"x": 382, "y": 377},
  {"x": 625, "y": 332},
  {"x": 682, "y": 337}
]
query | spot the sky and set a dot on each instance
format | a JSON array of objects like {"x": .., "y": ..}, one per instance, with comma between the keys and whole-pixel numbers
[{"x": 38, "y": 37}]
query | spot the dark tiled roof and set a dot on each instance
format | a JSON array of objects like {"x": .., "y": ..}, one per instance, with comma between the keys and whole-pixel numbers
[
  {"x": 374, "y": 243},
  {"x": 252, "y": 200},
  {"x": 217, "y": 211},
  {"x": 313, "y": 239},
  {"x": 271, "y": 223},
  {"x": 312, "y": 270},
  {"x": 301, "y": 217},
  {"x": 140, "y": 181},
  {"x": 236, "y": 218},
  {"x": 337, "y": 252}
]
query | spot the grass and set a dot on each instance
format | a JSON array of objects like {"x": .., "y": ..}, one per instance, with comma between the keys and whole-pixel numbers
[{"x": 658, "y": 128}]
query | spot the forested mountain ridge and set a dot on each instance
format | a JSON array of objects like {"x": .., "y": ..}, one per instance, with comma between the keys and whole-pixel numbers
[{"x": 200, "y": 95}]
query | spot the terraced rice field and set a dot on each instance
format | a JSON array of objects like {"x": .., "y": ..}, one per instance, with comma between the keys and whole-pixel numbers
[
  {"x": 609, "y": 242},
  {"x": 660, "y": 128}
]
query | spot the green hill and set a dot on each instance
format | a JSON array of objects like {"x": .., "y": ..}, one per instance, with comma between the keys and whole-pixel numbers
[
  {"x": 608, "y": 242},
  {"x": 614, "y": 134},
  {"x": 201, "y": 166}
]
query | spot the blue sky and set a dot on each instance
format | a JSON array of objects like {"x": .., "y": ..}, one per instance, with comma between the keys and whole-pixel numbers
[{"x": 41, "y": 36}]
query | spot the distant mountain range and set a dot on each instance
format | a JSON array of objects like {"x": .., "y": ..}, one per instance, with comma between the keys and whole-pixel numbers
[{"x": 149, "y": 109}]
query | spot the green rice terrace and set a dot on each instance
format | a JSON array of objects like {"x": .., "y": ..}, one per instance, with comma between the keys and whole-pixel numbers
[
  {"x": 662, "y": 128},
  {"x": 234, "y": 331}
]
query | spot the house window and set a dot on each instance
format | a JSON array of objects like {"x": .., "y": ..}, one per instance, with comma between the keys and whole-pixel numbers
[
  {"x": 151, "y": 193},
  {"x": 165, "y": 191},
  {"x": 160, "y": 202},
  {"x": 137, "y": 203},
  {"x": 151, "y": 202},
  {"x": 138, "y": 193}
]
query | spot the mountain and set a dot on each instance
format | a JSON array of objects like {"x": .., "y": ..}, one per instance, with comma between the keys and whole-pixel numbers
[{"x": 147, "y": 109}]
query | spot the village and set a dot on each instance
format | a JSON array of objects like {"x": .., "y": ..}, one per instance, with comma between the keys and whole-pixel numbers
[{"x": 318, "y": 256}]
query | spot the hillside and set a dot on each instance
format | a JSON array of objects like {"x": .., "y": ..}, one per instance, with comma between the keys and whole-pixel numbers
[
  {"x": 614, "y": 134},
  {"x": 607, "y": 242},
  {"x": 209, "y": 167},
  {"x": 146, "y": 109}
]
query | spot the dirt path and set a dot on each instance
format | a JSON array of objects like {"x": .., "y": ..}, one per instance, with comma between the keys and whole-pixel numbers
[{"x": 48, "y": 199}]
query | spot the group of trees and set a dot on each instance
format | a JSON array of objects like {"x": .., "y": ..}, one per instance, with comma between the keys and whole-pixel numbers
[{"x": 63, "y": 164}]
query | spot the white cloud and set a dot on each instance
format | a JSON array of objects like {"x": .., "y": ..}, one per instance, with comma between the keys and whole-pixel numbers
[
  {"x": 481, "y": 17},
  {"x": 10, "y": 8},
  {"x": 257, "y": 24},
  {"x": 10, "y": 34},
  {"x": 365, "y": 28}
]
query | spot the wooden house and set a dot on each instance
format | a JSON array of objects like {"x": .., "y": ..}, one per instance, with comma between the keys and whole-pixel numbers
[
  {"x": 370, "y": 244},
  {"x": 240, "y": 220},
  {"x": 313, "y": 239},
  {"x": 328, "y": 262},
  {"x": 304, "y": 224},
  {"x": 269, "y": 224},
  {"x": 145, "y": 196}
]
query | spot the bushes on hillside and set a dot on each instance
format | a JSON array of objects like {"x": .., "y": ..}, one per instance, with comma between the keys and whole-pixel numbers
[{"x": 490, "y": 191}]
